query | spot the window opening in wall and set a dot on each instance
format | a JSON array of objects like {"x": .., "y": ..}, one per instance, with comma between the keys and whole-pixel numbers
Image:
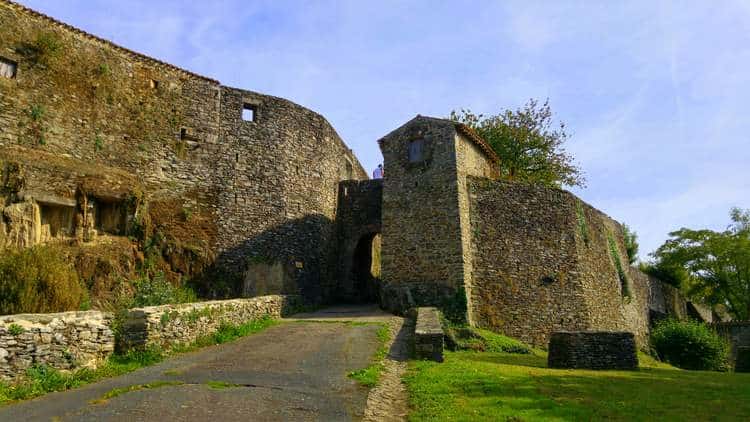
[
  {"x": 183, "y": 133},
  {"x": 416, "y": 150},
  {"x": 248, "y": 112},
  {"x": 61, "y": 219},
  {"x": 154, "y": 84},
  {"x": 8, "y": 68},
  {"x": 110, "y": 217},
  {"x": 236, "y": 157}
]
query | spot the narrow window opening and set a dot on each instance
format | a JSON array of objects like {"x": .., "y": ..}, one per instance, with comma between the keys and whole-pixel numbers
[
  {"x": 235, "y": 198},
  {"x": 416, "y": 151},
  {"x": 237, "y": 157},
  {"x": 249, "y": 112},
  {"x": 8, "y": 68},
  {"x": 183, "y": 133},
  {"x": 154, "y": 84}
]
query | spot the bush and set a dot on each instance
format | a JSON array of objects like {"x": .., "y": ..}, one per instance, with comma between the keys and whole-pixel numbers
[
  {"x": 38, "y": 280},
  {"x": 690, "y": 345},
  {"x": 156, "y": 290}
]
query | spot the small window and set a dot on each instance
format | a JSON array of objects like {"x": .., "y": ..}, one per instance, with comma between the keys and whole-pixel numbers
[
  {"x": 8, "y": 68},
  {"x": 154, "y": 84},
  {"x": 416, "y": 151},
  {"x": 248, "y": 112},
  {"x": 183, "y": 134}
]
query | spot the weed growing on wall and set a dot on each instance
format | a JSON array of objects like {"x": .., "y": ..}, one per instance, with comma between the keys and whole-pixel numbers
[
  {"x": 35, "y": 124},
  {"x": 621, "y": 274},
  {"x": 583, "y": 227}
]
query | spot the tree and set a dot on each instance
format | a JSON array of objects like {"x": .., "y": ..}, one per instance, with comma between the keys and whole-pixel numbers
[
  {"x": 631, "y": 243},
  {"x": 529, "y": 144},
  {"x": 717, "y": 263}
]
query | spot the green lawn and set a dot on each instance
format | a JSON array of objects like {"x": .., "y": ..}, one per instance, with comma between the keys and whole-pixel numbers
[{"x": 476, "y": 386}]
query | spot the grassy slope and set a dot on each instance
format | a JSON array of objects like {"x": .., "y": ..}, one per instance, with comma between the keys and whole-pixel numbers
[{"x": 471, "y": 386}]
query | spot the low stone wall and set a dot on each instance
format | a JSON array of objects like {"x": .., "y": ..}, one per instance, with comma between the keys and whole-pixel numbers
[
  {"x": 592, "y": 350},
  {"x": 169, "y": 325},
  {"x": 737, "y": 333},
  {"x": 64, "y": 340},
  {"x": 428, "y": 335},
  {"x": 742, "y": 361}
]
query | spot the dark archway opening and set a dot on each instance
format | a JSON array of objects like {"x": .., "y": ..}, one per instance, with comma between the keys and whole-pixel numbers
[{"x": 366, "y": 268}]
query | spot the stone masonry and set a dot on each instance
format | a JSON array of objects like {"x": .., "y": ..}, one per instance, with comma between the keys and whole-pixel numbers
[
  {"x": 99, "y": 137},
  {"x": 592, "y": 350},
  {"x": 66, "y": 340}
]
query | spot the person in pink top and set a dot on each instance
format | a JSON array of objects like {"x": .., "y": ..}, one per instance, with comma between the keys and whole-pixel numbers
[{"x": 378, "y": 173}]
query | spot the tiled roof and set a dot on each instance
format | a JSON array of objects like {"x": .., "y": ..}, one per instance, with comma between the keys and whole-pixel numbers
[{"x": 131, "y": 53}]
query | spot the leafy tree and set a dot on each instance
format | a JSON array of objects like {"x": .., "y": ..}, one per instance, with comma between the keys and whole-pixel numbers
[
  {"x": 717, "y": 263},
  {"x": 529, "y": 144},
  {"x": 631, "y": 243}
]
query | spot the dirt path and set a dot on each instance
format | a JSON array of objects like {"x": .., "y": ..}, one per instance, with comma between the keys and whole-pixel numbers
[{"x": 292, "y": 371}]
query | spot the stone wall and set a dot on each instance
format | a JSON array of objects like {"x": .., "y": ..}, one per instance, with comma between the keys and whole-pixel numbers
[
  {"x": 97, "y": 128},
  {"x": 170, "y": 325},
  {"x": 543, "y": 263},
  {"x": 736, "y": 332},
  {"x": 423, "y": 209},
  {"x": 592, "y": 350},
  {"x": 65, "y": 340},
  {"x": 358, "y": 219},
  {"x": 71, "y": 340},
  {"x": 428, "y": 334}
]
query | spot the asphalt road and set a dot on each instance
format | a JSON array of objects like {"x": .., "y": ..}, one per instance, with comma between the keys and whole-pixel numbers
[{"x": 293, "y": 371}]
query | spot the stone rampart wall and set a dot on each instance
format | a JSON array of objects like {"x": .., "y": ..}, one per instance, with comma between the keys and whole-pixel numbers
[
  {"x": 736, "y": 332},
  {"x": 84, "y": 122},
  {"x": 71, "y": 340},
  {"x": 543, "y": 262},
  {"x": 64, "y": 340}
]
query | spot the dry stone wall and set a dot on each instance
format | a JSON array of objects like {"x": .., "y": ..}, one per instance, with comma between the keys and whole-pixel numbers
[
  {"x": 71, "y": 340},
  {"x": 65, "y": 340},
  {"x": 170, "y": 325}
]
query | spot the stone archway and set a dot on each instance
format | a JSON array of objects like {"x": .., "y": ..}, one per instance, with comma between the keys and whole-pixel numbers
[{"x": 365, "y": 269}]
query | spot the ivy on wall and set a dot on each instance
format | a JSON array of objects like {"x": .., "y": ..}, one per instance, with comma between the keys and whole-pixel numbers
[{"x": 622, "y": 275}]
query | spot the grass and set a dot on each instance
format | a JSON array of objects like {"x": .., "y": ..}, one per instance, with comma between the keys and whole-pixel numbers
[
  {"x": 123, "y": 390},
  {"x": 42, "y": 379},
  {"x": 473, "y": 386},
  {"x": 221, "y": 385},
  {"x": 477, "y": 339},
  {"x": 370, "y": 375}
]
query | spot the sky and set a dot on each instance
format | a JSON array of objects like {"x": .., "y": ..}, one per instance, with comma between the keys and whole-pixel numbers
[{"x": 654, "y": 93}]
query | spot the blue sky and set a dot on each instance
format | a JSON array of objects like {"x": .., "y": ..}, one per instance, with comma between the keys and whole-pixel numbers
[{"x": 655, "y": 93}]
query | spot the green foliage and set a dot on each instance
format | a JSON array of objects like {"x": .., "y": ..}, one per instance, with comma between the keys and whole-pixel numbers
[
  {"x": 228, "y": 332},
  {"x": 15, "y": 329},
  {"x": 480, "y": 340},
  {"x": 671, "y": 274},
  {"x": 690, "y": 345},
  {"x": 529, "y": 145},
  {"x": 42, "y": 379},
  {"x": 186, "y": 214},
  {"x": 370, "y": 375},
  {"x": 631, "y": 243},
  {"x": 103, "y": 69},
  {"x": 583, "y": 226},
  {"x": 717, "y": 264},
  {"x": 472, "y": 386},
  {"x": 98, "y": 143},
  {"x": 621, "y": 274},
  {"x": 43, "y": 51},
  {"x": 123, "y": 390},
  {"x": 454, "y": 308},
  {"x": 38, "y": 280},
  {"x": 35, "y": 124},
  {"x": 156, "y": 290}
]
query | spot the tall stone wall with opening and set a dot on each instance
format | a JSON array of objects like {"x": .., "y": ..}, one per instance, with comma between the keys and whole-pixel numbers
[
  {"x": 129, "y": 145},
  {"x": 544, "y": 262}
]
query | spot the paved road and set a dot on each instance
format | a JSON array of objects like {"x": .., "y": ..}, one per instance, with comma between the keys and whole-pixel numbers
[{"x": 292, "y": 371}]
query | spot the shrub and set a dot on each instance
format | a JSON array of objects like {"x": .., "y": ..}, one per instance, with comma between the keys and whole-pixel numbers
[
  {"x": 38, "y": 280},
  {"x": 690, "y": 345},
  {"x": 156, "y": 290}
]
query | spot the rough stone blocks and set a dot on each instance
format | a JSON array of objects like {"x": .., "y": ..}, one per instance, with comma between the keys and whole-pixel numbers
[
  {"x": 428, "y": 335},
  {"x": 592, "y": 350}
]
